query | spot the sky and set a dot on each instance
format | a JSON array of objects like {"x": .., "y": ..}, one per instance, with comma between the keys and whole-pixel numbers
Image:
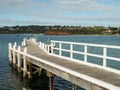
[{"x": 60, "y": 12}]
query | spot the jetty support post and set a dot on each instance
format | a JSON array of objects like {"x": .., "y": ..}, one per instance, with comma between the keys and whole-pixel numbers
[
  {"x": 51, "y": 80},
  {"x": 10, "y": 52},
  {"x": 73, "y": 87},
  {"x": 24, "y": 63},
  {"x": 19, "y": 59}
]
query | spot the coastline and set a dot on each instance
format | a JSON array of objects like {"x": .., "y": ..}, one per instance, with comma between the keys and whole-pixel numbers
[{"x": 59, "y": 34}]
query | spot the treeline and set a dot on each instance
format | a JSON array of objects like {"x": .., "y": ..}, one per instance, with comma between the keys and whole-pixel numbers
[{"x": 35, "y": 29}]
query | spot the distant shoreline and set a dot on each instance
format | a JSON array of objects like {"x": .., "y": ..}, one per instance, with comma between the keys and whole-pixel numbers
[{"x": 61, "y": 34}]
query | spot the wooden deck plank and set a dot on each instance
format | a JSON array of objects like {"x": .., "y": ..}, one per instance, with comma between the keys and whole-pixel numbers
[{"x": 94, "y": 72}]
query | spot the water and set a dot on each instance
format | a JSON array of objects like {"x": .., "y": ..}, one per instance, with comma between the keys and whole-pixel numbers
[{"x": 11, "y": 80}]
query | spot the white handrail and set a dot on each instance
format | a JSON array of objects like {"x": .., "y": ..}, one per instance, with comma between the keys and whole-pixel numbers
[
  {"x": 94, "y": 45},
  {"x": 104, "y": 56},
  {"x": 50, "y": 49}
]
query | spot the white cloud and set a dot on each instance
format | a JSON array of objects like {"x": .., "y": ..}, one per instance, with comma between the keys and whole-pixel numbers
[
  {"x": 86, "y": 5},
  {"x": 31, "y": 22},
  {"x": 59, "y": 11},
  {"x": 87, "y": 18},
  {"x": 5, "y": 20}
]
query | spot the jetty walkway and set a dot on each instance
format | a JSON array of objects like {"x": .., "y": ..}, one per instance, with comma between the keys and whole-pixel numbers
[{"x": 82, "y": 73}]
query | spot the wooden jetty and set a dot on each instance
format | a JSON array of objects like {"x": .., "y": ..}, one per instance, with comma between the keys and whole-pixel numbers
[{"x": 38, "y": 55}]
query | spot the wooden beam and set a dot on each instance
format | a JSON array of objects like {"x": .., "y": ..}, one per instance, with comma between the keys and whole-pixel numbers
[{"x": 37, "y": 71}]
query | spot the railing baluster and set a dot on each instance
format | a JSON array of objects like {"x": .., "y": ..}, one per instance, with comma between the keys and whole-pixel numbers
[
  {"x": 40, "y": 44},
  {"x": 60, "y": 48},
  {"x": 52, "y": 47},
  {"x": 85, "y": 51},
  {"x": 10, "y": 52},
  {"x": 104, "y": 56},
  {"x": 48, "y": 48},
  {"x": 45, "y": 47},
  {"x": 14, "y": 53},
  {"x": 71, "y": 51}
]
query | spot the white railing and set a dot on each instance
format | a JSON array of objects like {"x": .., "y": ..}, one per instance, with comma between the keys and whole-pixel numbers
[
  {"x": 58, "y": 46},
  {"x": 104, "y": 56},
  {"x": 17, "y": 49}
]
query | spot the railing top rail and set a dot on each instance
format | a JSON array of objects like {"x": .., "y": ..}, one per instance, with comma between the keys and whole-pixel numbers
[{"x": 88, "y": 44}]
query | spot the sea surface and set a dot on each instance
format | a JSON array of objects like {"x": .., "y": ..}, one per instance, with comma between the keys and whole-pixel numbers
[{"x": 11, "y": 80}]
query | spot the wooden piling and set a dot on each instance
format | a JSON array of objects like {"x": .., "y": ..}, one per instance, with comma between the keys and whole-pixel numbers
[
  {"x": 51, "y": 83},
  {"x": 73, "y": 87},
  {"x": 51, "y": 80}
]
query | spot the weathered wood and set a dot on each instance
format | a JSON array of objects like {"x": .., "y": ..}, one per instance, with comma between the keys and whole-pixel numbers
[
  {"x": 96, "y": 73},
  {"x": 38, "y": 70}
]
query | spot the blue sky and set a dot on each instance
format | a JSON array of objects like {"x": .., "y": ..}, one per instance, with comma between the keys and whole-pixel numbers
[{"x": 60, "y": 12}]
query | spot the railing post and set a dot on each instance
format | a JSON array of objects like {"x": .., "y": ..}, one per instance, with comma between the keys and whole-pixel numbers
[
  {"x": 48, "y": 49},
  {"x": 24, "y": 62},
  {"x": 104, "y": 56},
  {"x": 52, "y": 48},
  {"x": 60, "y": 48},
  {"x": 40, "y": 44},
  {"x": 10, "y": 52},
  {"x": 14, "y": 57},
  {"x": 19, "y": 57},
  {"x": 54, "y": 43},
  {"x": 85, "y": 51},
  {"x": 34, "y": 40},
  {"x": 45, "y": 48},
  {"x": 71, "y": 51},
  {"x": 24, "y": 41}
]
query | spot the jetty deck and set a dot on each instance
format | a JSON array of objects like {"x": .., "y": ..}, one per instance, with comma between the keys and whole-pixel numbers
[{"x": 88, "y": 77}]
